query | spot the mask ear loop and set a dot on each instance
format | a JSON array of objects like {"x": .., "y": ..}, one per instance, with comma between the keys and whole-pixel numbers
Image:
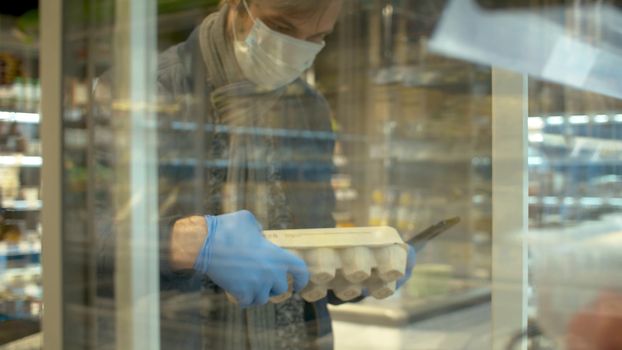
[{"x": 248, "y": 11}]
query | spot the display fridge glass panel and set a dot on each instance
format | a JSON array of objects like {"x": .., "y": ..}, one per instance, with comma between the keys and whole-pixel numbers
[
  {"x": 570, "y": 238},
  {"x": 20, "y": 173},
  {"x": 250, "y": 174},
  {"x": 177, "y": 110}
]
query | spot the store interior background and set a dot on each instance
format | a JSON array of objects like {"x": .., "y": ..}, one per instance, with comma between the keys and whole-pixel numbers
[{"x": 414, "y": 147}]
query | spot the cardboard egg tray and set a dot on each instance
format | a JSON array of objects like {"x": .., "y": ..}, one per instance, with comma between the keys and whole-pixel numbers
[{"x": 346, "y": 260}]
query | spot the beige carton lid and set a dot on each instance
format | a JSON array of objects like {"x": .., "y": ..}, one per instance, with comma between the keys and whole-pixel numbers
[{"x": 335, "y": 237}]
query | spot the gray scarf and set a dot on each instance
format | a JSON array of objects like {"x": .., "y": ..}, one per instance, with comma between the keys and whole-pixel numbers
[{"x": 243, "y": 120}]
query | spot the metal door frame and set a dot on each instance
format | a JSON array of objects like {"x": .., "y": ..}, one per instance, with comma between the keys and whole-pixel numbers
[
  {"x": 137, "y": 276},
  {"x": 510, "y": 206}
]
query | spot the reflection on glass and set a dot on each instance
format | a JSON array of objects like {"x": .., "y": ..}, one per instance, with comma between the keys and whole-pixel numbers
[
  {"x": 576, "y": 44},
  {"x": 574, "y": 190},
  {"x": 379, "y": 132},
  {"x": 572, "y": 155}
]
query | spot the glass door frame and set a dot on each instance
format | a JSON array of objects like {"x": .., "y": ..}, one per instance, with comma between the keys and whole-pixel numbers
[
  {"x": 510, "y": 107},
  {"x": 137, "y": 298},
  {"x": 51, "y": 30}
]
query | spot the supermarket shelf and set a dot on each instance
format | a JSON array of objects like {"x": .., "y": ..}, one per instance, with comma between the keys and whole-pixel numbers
[
  {"x": 73, "y": 114},
  {"x": 348, "y": 194},
  {"x": 35, "y": 118},
  {"x": 537, "y": 161},
  {"x": 426, "y": 159},
  {"x": 21, "y": 205},
  {"x": 340, "y": 160},
  {"x": 21, "y": 161},
  {"x": 381, "y": 153},
  {"x": 22, "y": 248},
  {"x": 450, "y": 78},
  {"x": 272, "y": 132},
  {"x": 32, "y": 341},
  {"x": 582, "y": 143},
  {"x": 585, "y": 151},
  {"x": 539, "y": 122},
  {"x": 27, "y": 271},
  {"x": 401, "y": 314},
  {"x": 550, "y": 140},
  {"x": 580, "y": 202},
  {"x": 19, "y": 117},
  {"x": 9, "y": 42},
  {"x": 224, "y": 163},
  {"x": 417, "y": 151}
]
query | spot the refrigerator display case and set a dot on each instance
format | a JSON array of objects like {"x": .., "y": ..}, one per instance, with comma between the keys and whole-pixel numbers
[
  {"x": 423, "y": 152},
  {"x": 414, "y": 118},
  {"x": 20, "y": 165}
]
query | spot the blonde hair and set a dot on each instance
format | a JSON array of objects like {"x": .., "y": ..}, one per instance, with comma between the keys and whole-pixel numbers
[{"x": 288, "y": 7}]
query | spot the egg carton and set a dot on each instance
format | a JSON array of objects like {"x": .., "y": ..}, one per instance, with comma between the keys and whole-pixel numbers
[{"x": 345, "y": 260}]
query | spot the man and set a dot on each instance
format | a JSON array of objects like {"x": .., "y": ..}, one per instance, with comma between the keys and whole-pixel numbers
[{"x": 239, "y": 74}]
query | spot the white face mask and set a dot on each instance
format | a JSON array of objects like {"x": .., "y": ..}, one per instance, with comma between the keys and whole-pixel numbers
[{"x": 271, "y": 59}]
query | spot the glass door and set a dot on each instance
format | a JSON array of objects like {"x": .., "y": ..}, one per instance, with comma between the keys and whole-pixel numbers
[
  {"x": 556, "y": 151},
  {"x": 168, "y": 111},
  {"x": 102, "y": 285}
]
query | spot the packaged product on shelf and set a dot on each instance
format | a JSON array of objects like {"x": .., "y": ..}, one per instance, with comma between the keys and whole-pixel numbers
[
  {"x": 16, "y": 142},
  {"x": 34, "y": 147},
  {"x": 30, "y": 95},
  {"x": 390, "y": 206},
  {"x": 79, "y": 94},
  {"x": 404, "y": 213},
  {"x": 378, "y": 214},
  {"x": 9, "y": 184},
  {"x": 419, "y": 213},
  {"x": 31, "y": 194},
  {"x": 344, "y": 219},
  {"x": 3, "y": 136},
  {"x": 19, "y": 94},
  {"x": 6, "y": 95},
  {"x": 37, "y": 94},
  {"x": 339, "y": 158},
  {"x": 1, "y": 233},
  {"x": 10, "y": 232},
  {"x": 10, "y": 68}
]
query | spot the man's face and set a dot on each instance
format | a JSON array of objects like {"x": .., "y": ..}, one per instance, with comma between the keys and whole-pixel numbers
[{"x": 314, "y": 27}]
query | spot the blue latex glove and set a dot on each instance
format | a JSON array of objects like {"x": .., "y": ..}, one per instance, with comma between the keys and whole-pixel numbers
[
  {"x": 410, "y": 265},
  {"x": 238, "y": 258}
]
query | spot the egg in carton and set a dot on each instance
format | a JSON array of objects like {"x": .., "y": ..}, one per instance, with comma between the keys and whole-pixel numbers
[{"x": 345, "y": 260}]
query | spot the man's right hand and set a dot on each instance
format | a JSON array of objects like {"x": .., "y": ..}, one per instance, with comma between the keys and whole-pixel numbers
[{"x": 237, "y": 257}]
